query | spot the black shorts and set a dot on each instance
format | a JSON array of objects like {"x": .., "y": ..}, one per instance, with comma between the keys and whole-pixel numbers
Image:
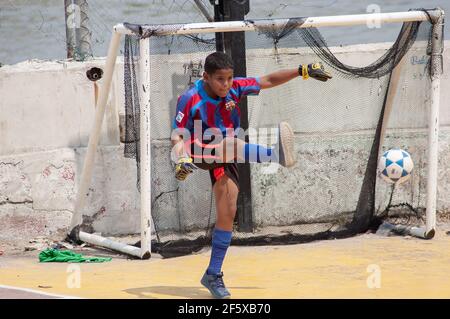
[{"x": 216, "y": 169}]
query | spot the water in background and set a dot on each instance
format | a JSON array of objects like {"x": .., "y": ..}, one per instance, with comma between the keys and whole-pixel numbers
[{"x": 35, "y": 29}]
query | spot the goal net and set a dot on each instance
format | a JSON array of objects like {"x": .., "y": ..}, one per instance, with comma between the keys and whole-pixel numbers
[{"x": 380, "y": 98}]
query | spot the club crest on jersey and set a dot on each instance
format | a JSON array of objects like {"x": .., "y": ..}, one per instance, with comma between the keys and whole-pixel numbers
[
  {"x": 179, "y": 117},
  {"x": 230, "y": 105}
]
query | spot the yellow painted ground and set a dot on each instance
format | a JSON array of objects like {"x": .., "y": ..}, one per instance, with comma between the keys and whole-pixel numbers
[{"x": 407, "y": 268}]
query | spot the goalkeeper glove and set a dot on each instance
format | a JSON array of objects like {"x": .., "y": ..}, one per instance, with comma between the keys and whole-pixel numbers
[
  {"x": 314, "y": 70},
  {"x": 183, "y": 168}
]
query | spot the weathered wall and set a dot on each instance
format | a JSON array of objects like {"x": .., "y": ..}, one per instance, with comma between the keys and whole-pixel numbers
[{"x": 47, "y": 111}]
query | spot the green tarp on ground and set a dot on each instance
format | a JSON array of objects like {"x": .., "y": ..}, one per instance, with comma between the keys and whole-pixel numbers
[{"x": 67, "y": 256}]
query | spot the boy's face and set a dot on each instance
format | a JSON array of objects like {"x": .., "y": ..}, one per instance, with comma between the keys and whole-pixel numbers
[{"x": 220, "y": 81}]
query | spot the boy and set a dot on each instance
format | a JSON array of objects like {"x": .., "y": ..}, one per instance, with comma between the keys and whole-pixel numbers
[{"x": 205, "y": 124}]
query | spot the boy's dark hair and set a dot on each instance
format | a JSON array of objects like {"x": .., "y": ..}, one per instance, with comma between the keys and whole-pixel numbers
[{"x": 217, "y": 61}]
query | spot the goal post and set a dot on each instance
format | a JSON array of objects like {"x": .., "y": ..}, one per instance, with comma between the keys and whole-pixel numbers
[
  {"x": 74, "y": 232},
  {"x": 145, "y": 33}
]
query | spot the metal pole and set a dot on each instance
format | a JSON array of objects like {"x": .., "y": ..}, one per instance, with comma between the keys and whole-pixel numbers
[
  {"x": 204, "y": 10},
  {"x": 86, "y": 175},
  {"x": 217, "y": 18},
  {"x": 108, "y": 243},
  {"x": 391, "y": 94},
  {"x": 94, "y": 137},
  {"x": 83, "y": 33},
  {"x": 145, "y": 144},
  {"x": 433, "y": 125},
  {"x": 234, "y": 44},
  {"x": 71, "y": 25},
  {"x": 229, "y": 26},
  {"x": 78, "y": 35}
]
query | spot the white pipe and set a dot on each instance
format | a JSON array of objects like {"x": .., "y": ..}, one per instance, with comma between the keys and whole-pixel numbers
[
  {"x": 204, "y": 10},
  {"x": 329, "y": 21},
  {"x": 433, "y": 122},
  {"x": 145, "y": 145},
  {"x": 420, "y": 232},
  {"x": 433, "y": 145},
  {"x": 108, "y": 243},
  {"x": 392, "y": 92},
  {"x": 94, "y": 137}
]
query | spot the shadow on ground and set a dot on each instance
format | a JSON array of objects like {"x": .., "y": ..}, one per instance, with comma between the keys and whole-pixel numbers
[{"x": 158, "y": 292}]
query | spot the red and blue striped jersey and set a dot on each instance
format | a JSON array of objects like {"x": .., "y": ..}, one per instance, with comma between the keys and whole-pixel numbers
[{"x": 195, "y": 104}]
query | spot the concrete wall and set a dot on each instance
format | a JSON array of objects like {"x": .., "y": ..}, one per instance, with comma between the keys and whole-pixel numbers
[{"x": 47, "y": 110}]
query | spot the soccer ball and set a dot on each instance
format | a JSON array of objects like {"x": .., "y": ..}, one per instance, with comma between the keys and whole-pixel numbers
[{"x": 395, "y": 166}]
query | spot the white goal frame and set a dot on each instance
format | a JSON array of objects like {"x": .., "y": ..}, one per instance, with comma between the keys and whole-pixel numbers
[{"x": 144, "y": 251}]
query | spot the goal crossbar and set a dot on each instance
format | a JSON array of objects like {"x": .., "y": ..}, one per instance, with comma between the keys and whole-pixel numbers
[
  {"x": 252, "y": 25},
  {"x": 144, "y": 96}
]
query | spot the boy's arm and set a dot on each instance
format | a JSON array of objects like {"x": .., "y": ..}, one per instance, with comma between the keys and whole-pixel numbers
[
  {"x": 183, "y": 163},
  {"x": 277, "y": 78},
  {"x": 180, "y": 130},
  {"x": 177, "y": 148},
  {"x": 314, "y": 70}
]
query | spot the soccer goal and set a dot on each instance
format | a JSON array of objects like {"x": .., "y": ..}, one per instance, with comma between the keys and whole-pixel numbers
[{"x": 381, "y": 96}]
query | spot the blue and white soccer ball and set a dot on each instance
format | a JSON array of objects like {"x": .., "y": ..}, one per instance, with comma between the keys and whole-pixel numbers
[{"x": 395, "y": 166}]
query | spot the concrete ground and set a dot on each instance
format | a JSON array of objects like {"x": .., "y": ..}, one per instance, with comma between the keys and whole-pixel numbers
[{"x": 366, "y": 266}]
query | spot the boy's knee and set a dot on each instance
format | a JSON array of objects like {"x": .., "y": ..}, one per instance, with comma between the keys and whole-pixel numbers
[
  {"x": 226, "y": 196},
  {"x": 233, "y": 208},
  {"x": 232, "y": 195}
]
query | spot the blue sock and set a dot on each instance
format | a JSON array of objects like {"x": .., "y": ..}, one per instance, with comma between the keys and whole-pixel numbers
[
  {"x": 258, "y": 153},
  {"x": 220, "y": 242}
]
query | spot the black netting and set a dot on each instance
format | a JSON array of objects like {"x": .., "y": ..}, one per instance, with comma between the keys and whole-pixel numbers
[
  {"x": 313, "y": 38},
  {"x": 132, "y": 108},
  {"x": 334, "y": 190}
]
